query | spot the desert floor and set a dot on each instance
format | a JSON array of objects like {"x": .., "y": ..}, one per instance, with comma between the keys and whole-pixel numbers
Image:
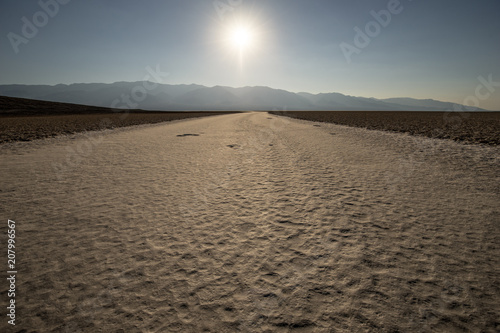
[
  {"x": 250, "y": 223},
  {"x": 467, "y": 127}
]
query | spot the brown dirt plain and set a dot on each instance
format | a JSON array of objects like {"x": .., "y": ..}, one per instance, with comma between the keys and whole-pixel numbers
[
  {"x": 26, "y": 120},
  {"x": 470, "y": 127},
  {"x": 247, "y": 222}
]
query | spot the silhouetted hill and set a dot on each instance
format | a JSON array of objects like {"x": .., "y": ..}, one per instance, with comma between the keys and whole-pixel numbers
[{"x": 166, "y": 97}]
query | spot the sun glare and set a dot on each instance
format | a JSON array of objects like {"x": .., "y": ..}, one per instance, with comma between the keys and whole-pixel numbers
[{"x": 241, "y": 37}]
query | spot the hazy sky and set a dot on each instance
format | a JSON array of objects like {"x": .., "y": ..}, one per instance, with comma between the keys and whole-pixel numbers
[{"x": 426, "y": 49}]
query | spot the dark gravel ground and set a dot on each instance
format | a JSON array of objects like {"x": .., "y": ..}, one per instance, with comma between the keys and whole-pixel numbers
[
  {"x": 26, "y": 120},
  {"x": 472, "y": 127}
]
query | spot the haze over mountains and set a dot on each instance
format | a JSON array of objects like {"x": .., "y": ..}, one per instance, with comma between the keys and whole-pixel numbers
[{"x": 165, "y": 97}]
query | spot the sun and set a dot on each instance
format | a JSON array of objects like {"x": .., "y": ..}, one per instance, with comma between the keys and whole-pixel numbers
[
  {"x": 242, "y": 40},
  {"x": 241, "y": 37}
]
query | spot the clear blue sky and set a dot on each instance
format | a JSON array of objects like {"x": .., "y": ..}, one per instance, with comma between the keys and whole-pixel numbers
[{"x": 431, "y": 49}]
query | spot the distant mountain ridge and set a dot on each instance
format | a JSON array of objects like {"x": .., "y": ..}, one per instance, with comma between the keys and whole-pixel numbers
[{"x": 182, "y": 97}]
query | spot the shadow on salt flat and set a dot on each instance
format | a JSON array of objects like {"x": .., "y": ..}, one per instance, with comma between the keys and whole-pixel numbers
[{"x": 184, "y": 135}]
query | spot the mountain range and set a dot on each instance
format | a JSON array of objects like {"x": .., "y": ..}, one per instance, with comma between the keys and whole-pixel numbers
[{"x": 166, "y": 97}]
